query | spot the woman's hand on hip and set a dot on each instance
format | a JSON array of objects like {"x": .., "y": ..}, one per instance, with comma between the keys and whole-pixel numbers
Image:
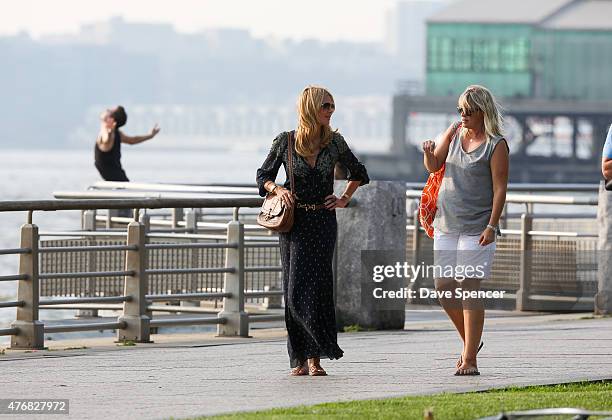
[
  {"x": 285, "y": 195},
  {"x": 487, "y": 237},
  {"x": 333, "y": 202}
]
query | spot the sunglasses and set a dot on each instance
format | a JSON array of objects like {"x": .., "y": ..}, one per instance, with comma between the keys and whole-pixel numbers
[
  {"x": 328, "y": 106},
  {"x": 466, "y": 112}
]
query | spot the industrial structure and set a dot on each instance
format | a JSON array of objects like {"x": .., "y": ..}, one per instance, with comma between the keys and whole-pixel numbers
[{"x": 549, "y": 62}]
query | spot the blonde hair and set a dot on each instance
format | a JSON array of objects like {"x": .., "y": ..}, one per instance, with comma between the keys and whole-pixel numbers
[
  {"x": 477, "y": 97},
  {"x": 308, "y": 106}
]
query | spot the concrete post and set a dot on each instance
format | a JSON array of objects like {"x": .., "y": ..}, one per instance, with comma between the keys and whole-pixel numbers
[
  {"x": 375, "y": 221},
  {"x": 237, "y": 323},
  {"x": 135, "y": 310},
  {"x": 525, "y": 275},
  {"x": 603, "y": 298},
  {"x": 31, "y": 330}
]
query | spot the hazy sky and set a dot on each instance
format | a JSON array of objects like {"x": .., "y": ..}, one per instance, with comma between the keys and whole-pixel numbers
[{"x": 323, "y": 19}]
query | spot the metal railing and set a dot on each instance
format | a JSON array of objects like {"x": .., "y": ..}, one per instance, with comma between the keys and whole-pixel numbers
[
  {"x": 525, "y": 258},
  {"x": 135, "y": 321}
]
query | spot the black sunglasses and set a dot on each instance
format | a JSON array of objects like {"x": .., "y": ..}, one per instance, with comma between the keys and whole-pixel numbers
[
  {"x": 466, "y": 112},
  {"x": 328, "y": 105}
]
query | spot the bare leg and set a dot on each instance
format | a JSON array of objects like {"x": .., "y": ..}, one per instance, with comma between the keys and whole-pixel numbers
[
  {"x": 452, "y": 306},
  {"x": 473, "y": 316}
]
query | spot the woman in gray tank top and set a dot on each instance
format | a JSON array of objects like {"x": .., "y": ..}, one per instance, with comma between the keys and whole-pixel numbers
[{"x": 470, "y": 202}]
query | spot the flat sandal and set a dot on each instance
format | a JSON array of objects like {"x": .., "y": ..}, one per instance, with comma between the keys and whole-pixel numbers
[{"x": 314, "y": 370}]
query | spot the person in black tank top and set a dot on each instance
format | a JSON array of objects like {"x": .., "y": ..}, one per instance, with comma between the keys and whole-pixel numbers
[{"x": 107, "y": 150}]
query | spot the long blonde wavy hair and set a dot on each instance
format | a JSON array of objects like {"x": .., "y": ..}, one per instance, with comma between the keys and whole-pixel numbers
[
  {"x": 477, "y": 97},
  {"x": 308, "y": 106}
]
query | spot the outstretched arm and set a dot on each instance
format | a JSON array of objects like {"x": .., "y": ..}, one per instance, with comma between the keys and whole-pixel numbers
[{"x": 139, "y": 139}]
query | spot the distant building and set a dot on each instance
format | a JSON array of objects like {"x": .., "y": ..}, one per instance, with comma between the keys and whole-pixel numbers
[{"x": 550, "y": 49}]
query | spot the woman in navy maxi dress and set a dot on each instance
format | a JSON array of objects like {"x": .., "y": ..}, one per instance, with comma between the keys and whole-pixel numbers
[{"x": 307, "y": 250}]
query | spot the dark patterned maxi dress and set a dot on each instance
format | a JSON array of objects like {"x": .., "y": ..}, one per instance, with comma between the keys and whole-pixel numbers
[{"x": 307, "y": 250}]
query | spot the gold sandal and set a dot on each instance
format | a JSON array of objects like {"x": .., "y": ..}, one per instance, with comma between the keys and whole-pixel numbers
[
  {"x": 299, "y": 370},
  {"x": 314, "y": 370}
]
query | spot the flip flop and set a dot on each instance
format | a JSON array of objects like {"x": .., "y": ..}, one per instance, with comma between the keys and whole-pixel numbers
[
  {"x": 469, "y": 372},
  {"x": 460, "y": 361}
]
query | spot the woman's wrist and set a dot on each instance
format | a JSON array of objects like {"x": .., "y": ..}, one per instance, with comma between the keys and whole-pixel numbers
[{"x": 345, "y": 197}]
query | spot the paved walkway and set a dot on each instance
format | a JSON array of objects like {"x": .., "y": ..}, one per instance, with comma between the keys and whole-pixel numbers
[{"x": 181, "y": 379}]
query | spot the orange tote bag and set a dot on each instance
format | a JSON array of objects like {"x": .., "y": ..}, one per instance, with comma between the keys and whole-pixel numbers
[{"x": 429, "y": 197}]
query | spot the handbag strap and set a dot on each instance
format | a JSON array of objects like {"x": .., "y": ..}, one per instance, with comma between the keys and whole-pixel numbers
[{"x": 290, "y": 161}]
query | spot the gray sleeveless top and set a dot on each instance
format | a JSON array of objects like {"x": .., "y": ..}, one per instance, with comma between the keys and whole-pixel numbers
[{"x": 465, "y": 199}]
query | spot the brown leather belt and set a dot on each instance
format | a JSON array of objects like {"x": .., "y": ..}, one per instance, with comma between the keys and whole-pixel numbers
[{"x": 308, "y": 207}]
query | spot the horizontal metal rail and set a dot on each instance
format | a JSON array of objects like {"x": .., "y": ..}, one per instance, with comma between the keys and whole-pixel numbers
[
  {"x": 134, "y": 203},
  {"x": 9, "y": 331},
  {"x": 47, "y": 276},
  {"x": 185, "y": 309},
  {"x": 15, "y": 277},
  {"x": 260, "y": 245},
  {"x": 263, "y": 268},
  {"x": 564, "y": 234},
  {"x": 140, "y": 186},
  {"x": 266, "y": 318},
  {"x": 189, "y": 296},
  {"x": 15, "y": 251},
  {"x": 210, "y": 237},
  {"x": 92, "y": 299},
  {"x": 191, "y": 245},
  {"x": 121, "y": 234},
  {"x": 536, "y": 199},
  {"x": 107, "y": 306},
  {"x": 542, "y": 215},
  {"x": 264, "y": 293},
  {"x": 535, "y": 233},
  {"x": 539, "y": 187},
  {"x": 90, "y": 326},
  {"x": 187, "y": 321},
  {"x": 155, "y": 271},
  {"x": 12, "y": 304},
  {"x": 89, "y": 248}
]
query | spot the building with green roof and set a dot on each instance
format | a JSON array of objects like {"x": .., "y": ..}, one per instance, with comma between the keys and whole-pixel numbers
[{"x": 548, "y": 49}]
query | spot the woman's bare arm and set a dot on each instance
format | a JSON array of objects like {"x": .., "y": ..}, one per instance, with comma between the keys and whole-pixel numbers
[
  {"x": 434, "y": 158},
  {"x": 500, "y": 164}
]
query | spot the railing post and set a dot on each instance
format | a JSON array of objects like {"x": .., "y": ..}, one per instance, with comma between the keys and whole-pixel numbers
[
  {"x": 191, "y": 221},
  {"x": 88, "y": 223},
  {"x": 237, "y": 320},
  {"x": 31, "y": 330},
  {"x": 109, "y": 215},
  {"x": 416, "y": 245},
  {"x": 177, "y": 216},
  {"x": 525, "y": 271},
  {"x": 89, "y": 220},
  {"x": 135, "y": 310}
]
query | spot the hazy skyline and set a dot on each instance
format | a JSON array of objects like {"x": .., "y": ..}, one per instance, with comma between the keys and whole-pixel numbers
[{"x": 354, "y": 20}]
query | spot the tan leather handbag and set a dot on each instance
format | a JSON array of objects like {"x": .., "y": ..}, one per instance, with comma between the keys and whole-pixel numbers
[{"x": 274, "y": 214}]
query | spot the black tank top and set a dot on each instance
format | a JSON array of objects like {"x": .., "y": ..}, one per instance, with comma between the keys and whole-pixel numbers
[{"x": 109, "y": 163}]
